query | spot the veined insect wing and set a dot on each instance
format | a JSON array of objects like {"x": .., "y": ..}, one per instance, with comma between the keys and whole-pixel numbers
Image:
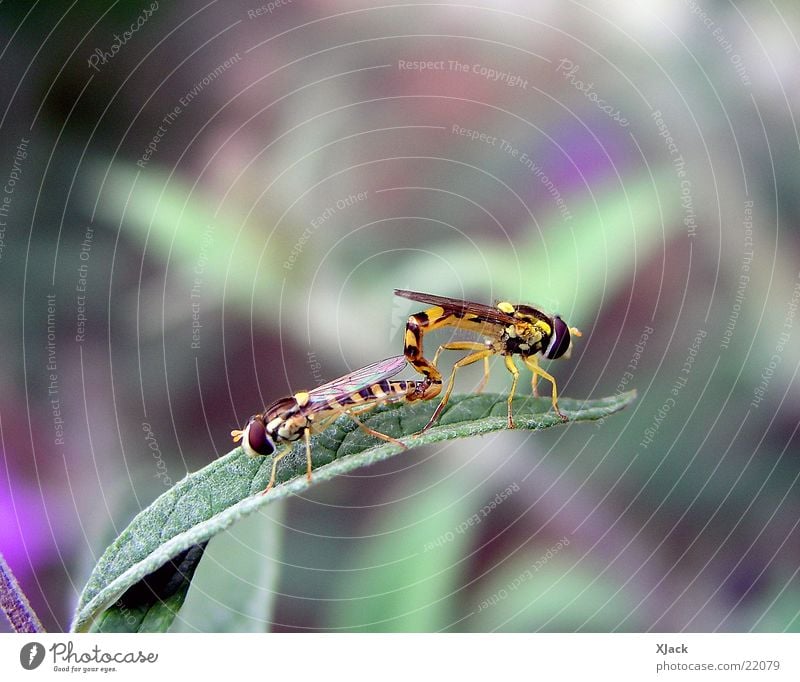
[
  {"x": 459, "y": 307},
  {"x": 357, "y": 380}
]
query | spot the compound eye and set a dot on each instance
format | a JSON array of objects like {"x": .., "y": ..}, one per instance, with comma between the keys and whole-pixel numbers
[
  {"x": 560, "y": 342},
  {"x": 258, "y": 440}
]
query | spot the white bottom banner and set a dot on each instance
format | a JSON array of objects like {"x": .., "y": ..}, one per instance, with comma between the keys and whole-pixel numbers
[{"x": 352, "y": 657}]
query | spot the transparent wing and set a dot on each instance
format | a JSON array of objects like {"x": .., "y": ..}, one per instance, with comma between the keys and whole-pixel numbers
[
  {"x": 355, "y": 381},
  {"x": 456, "y": 305}
]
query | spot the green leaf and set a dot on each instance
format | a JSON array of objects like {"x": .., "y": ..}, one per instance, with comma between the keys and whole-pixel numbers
[
  {"x": 151, "y": 604},
  {"x": 211, "y": 500},
  {"x": 156, "y": 617}
]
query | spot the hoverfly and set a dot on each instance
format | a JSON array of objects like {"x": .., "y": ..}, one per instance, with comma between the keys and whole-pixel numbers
[
  {"x": 289, "y": 419},
  {"x": 507, "y": 329}
]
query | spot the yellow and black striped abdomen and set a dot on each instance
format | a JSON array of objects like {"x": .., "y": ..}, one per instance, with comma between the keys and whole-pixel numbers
[
  {"x": 379, "y": 392},
  {"x": 423, "y": 322}
]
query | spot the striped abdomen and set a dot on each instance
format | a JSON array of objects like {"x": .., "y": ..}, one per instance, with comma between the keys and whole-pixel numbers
[
  {"x": 428, "y": 320},
  {"x": 385, "y": 391}
]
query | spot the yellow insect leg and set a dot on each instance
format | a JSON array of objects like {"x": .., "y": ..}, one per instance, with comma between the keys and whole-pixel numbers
[
  {"x": 514, "y": 373},
  {"x": 275, "y": 459},
  {"x": 352, "y": 415},
  {"x": 307, "y": 434},
  {"x": 534, "y": 385},
  {"x": 307, "y": 437},
  {"x": 532, "y": 364},
  {"x": 321, "y": 426},
  {"x": 467, "y": 345},
  {"x": 315, "y": 427},
  {"x": 463, "y": 362},
  {"x": 373, "y": 432},
  {"x": 485, "y": 378}
]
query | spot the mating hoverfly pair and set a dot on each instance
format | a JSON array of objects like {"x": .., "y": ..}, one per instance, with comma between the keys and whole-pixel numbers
[{"x": 508, "y": 330}]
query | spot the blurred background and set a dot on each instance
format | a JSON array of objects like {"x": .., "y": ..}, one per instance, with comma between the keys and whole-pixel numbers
[{"x": 205, "y": 207}]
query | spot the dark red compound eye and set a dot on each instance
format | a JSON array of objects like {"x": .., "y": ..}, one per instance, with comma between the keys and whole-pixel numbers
[
  {"x": 257, "y": 438},
  {"x": 559, "y": 344}
]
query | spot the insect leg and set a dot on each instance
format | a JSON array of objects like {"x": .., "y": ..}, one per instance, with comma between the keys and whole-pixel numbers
[
  {"x": 372, "y": 432},
  {"x": 315, "y": 427},
  {"x": 377, "y": 434},
  {"x": 467, "y": 345},
  {"x": 463, "y": 362},
  {"x": 515, "y": 373},
  {"x": 485, "y": 378},
  {"x": 275, "y": 459},
  {"x": 533, "y": 365},
  {"x": 321, "y": 426},
  {"x": 534, "y": 382},
  {"x": 307, "y": 435}
]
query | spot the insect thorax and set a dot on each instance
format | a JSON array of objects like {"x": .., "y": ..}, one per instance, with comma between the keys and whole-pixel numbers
[
  {"x": 288, "y": 429},
  {"x": 523, "y": 338},
  {"x": 286, "y": 420}
]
